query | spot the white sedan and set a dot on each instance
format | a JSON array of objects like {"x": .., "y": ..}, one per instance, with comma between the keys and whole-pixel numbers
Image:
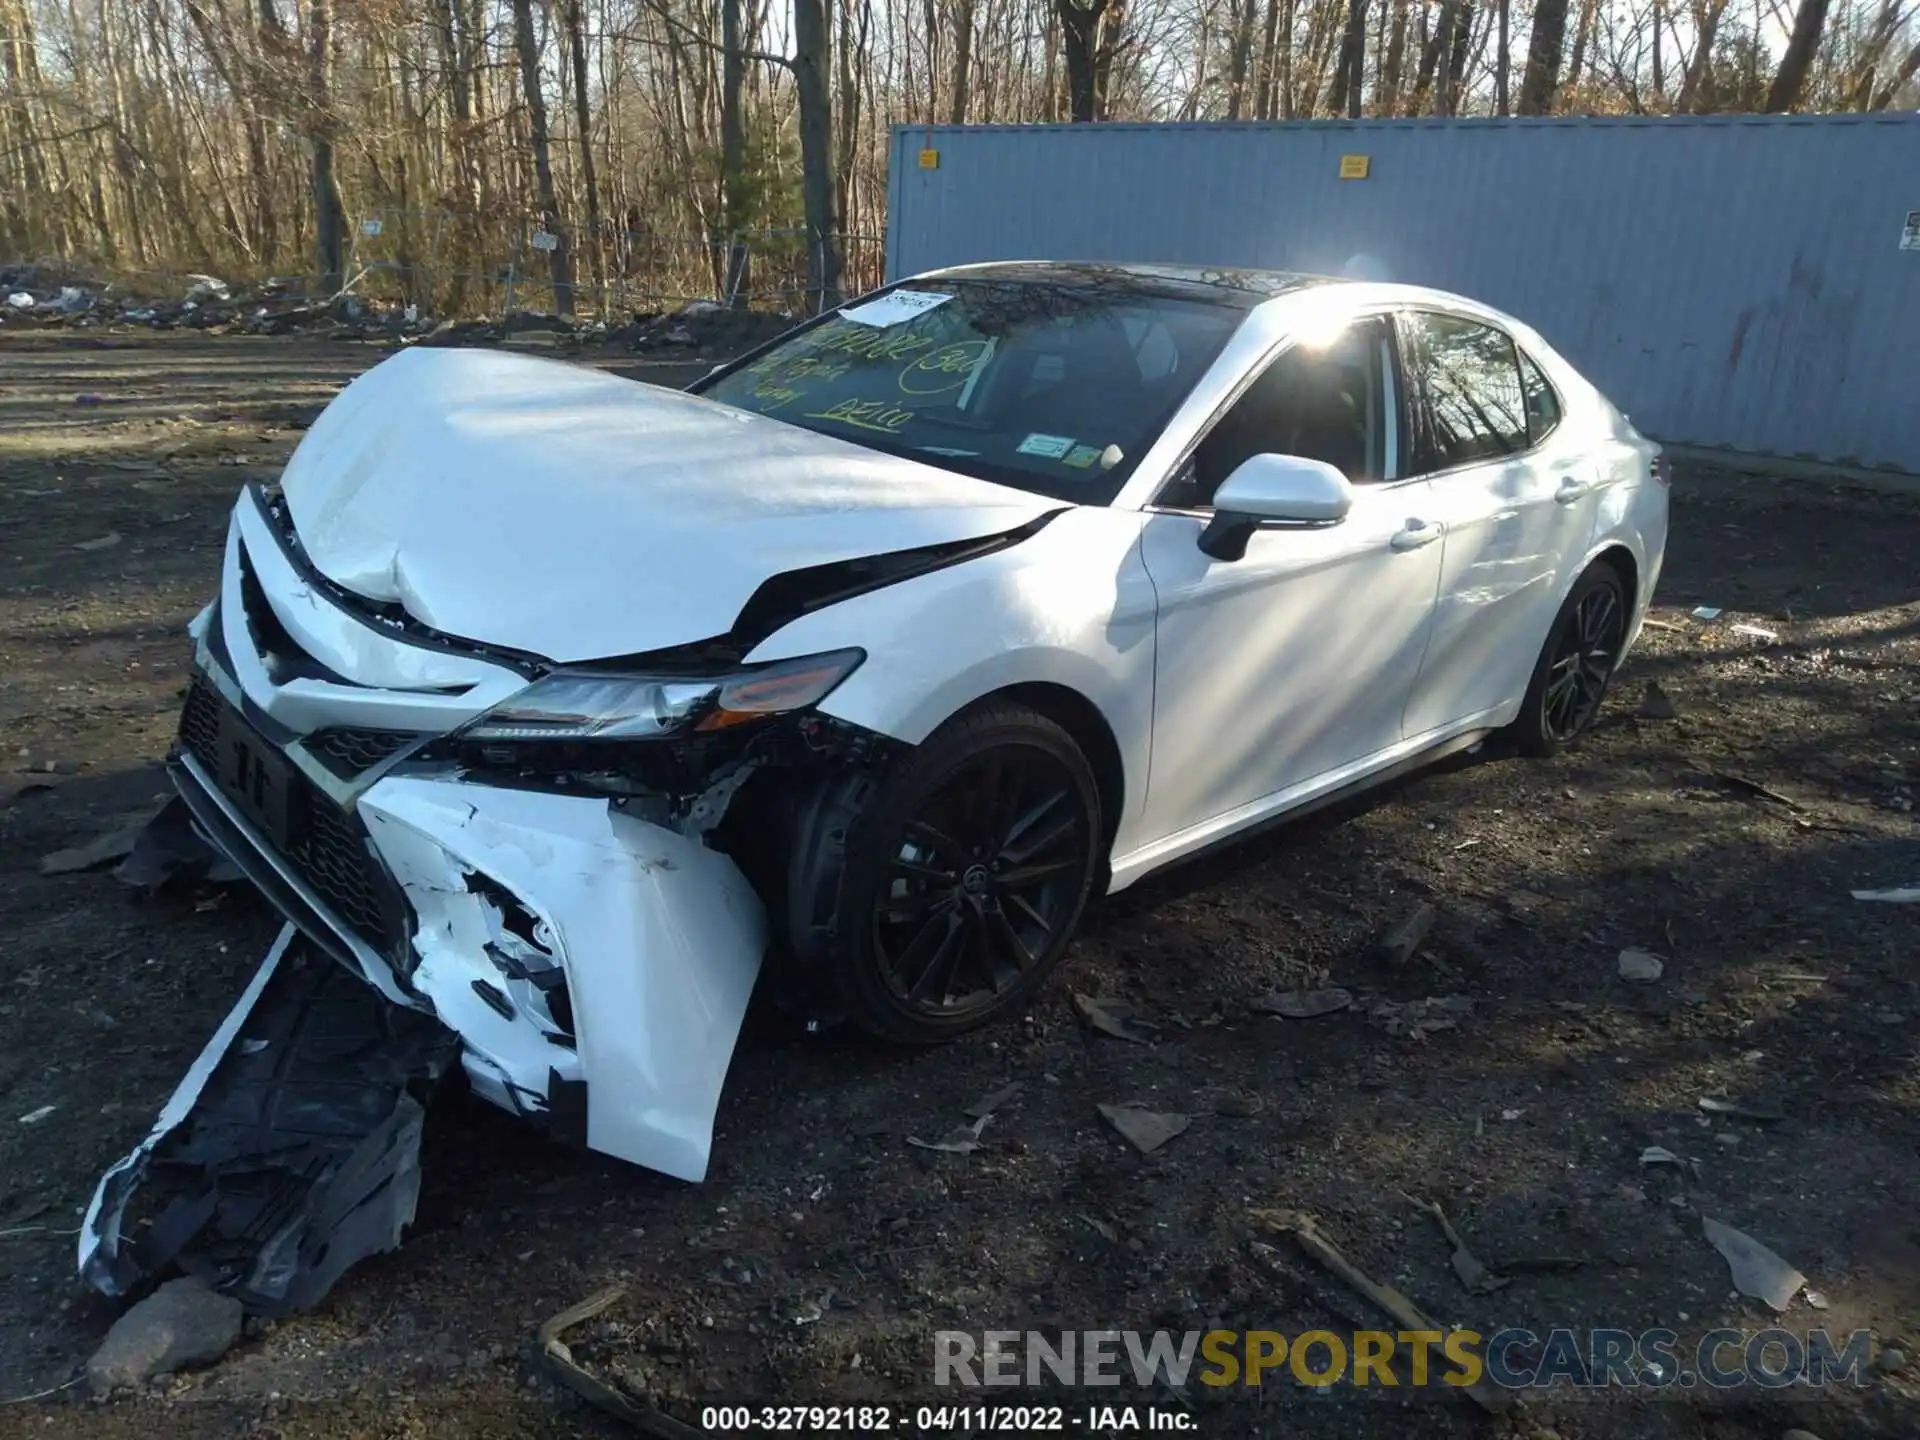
[{"x": 552, "y": 704}]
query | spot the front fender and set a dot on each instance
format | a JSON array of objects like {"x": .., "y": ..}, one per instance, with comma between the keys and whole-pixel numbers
[{"x": 1071, "y": 606}]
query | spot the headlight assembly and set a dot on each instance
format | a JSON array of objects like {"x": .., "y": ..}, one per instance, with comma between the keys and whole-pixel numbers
[{"x": 582, "y": 705}]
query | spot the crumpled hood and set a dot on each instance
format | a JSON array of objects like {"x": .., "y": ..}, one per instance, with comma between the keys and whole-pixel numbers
[{"x": 577, "y": 515}]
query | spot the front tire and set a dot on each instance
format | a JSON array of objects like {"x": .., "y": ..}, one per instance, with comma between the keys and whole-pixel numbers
[
  {"x": 965, "y": 875},
  {"x": 1576, "y": 664}
]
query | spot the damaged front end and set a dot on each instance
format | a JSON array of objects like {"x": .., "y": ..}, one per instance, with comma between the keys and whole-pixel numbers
[{"x": 525, "y": 869}]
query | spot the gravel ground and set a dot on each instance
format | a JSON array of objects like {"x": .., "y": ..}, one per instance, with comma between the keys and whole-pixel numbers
[{"x": 825, "y": 1250}]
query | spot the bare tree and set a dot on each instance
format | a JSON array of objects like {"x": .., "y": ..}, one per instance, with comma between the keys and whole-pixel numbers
[
  {"x": 1542, "y": 76},
  {"x": 559, "y": 258},
  {"x": 329, "y": 213},
  {"x": 1791, "y": 77}
]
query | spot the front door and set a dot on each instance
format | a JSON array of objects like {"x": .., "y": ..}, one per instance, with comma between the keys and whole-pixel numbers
[{"x": 1298, "y": 658}]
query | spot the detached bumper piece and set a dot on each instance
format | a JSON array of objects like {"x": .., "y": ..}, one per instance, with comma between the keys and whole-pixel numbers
[{"x": 290, "y": 1150}]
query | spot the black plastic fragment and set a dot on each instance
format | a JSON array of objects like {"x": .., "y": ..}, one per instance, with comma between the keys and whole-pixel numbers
[
  {"x": 171, "y": 848},
  {"x": 299, "y": 1156}
]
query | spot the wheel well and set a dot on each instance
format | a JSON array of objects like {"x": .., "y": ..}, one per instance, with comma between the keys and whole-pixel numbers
[
  {"x": 1081, "y": 719},
  {"x": 1621, "y": 559}
]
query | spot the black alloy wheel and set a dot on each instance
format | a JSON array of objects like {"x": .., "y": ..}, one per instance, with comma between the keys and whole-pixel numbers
[
  {"x": 972, "y": 870},
  {"x": 1577, "y": 664}
]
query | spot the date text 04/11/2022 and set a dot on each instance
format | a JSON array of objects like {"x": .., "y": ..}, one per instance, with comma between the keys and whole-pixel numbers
[{"x": 944, "y": 1419}]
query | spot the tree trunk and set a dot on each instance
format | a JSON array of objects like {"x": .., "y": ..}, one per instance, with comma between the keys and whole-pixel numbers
[
  {"x": 1430, "y": 54},
  {"x": 1265, "y": 107},
  {"x": 962, "y": 59},
  {"x": 589, "y": 181},
  {"x": 1542, "y": 75},
  {"x": 1791, "y": 78},
  {"x": 1902, "y": 77},
  {"x": 733, "y": 157},
  {"x": 1461, "y": 43},
  {"x": 812, "y": 88},
  {"x": 1080, "y": 39},
  {"x": 1696, "y": 85},
  {"x": 1239, "y": 56},
  {"x": 329, "y": 214},
  {"x": 1387, "y": 87},
  {"x": 560, "y": 258},
  {"x": 1349, "y": 69},
  {"x": 1576, "y": 65},
  {"x": 1502, "y": 59}
]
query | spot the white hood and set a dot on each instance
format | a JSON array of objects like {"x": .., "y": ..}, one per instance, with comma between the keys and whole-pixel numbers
[{"x": 577, "y": 515}]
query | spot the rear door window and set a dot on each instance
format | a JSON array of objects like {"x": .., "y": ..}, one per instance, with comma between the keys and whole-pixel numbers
[{"x": 1466, "y": 375}]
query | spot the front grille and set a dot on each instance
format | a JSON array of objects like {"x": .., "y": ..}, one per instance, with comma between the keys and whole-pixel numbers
[
  {"x": 331, "y": 852},
  {"x": 200, "y": 726},
  {"x": 350, "y": 753}
]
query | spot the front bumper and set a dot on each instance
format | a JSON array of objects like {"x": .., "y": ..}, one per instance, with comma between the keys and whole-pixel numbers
[{"x": 595, "y": 966}]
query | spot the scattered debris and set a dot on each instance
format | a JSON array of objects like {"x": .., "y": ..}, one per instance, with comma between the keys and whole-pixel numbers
[
  {"x": 1473, "y": 1274},
  {"x": 988, "y": 1103},
  {"x": 34, "y": 1117},
  {"x": 1904, "y": 895},
  {"x": 1817, "y": 1299},
  {"x": 99, "y": 851},
  {"x": 1656, "y": 704},
  {"x": 1400, "y": 939},
  {"x": 1101, "y": 1228},
  {"x": 20, "y": 300},
  {"x": 181, "y": 1325},
  {"x": 277, "y": 1167},
  {"x": 1745, "y": 1110},
  {"x": 1417, "y": 1019},
  {"x": 1891, "y": 1360},
  {"x": 1705, "y": 612},
  {"x": 112, "y": 537},
  {"x": 1755, "y": 632},
  {"x": 1115, "y": 1018},
  {"x": 1660, "y": 1155},
  {"x": 170, "y": 847},
  {"x": 1306, "y": 1234},
  {"x": 1302, "y": 1004},
  {"x": 557, "y": 1359},
  {"x": 1755, "y": 789},
  {"x": 963, "y": 1140},
  {"x": 202, "y": 288},
  {"x": 1641, "y": 966},
  {"x": 1146, "y": 1130},
  {"x": 1757, "y": 1271}
]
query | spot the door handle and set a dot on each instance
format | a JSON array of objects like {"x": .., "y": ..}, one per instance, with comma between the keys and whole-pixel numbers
[
  {"x": 1572, "y": 489},
  {"x": 1415, "y": 534}
]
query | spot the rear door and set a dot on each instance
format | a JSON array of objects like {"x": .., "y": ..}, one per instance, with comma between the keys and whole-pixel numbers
[{"x": 1517, "y": 509}]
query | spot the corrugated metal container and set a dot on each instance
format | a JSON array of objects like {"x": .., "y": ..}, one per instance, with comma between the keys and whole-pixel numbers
[{"x": 1731, "y": 281}]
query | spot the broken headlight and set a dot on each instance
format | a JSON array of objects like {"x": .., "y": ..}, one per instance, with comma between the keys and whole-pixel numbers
[{"x": 578, "y": 705}]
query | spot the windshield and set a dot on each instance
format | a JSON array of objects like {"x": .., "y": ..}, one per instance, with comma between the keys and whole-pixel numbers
[{"x": 1054, "y": 388}]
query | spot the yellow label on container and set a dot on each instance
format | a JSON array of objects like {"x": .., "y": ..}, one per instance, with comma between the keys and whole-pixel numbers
[
  {"x": 1353, "y": 167},
  {"x": 929, "y": 159}
]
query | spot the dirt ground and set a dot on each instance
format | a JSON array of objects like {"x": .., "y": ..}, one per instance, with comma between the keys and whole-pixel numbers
[{"x": 825, "y": 1250}]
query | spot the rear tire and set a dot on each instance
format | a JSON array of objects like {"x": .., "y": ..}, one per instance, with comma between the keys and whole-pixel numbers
[
  {"x": 965, "y": 873},
  {"x": 1576, "y": 664}
]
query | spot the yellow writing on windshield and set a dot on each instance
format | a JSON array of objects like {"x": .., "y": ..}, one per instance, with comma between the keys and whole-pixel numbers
[
  {"x": 880, "y": 415},
  {"x": 944, "y": 369}
]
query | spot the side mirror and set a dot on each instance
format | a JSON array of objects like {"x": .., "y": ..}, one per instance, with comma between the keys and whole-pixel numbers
[{"x": 1279, "y": 489}]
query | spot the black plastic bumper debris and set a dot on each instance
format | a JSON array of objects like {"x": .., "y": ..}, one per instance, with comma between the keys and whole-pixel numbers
[{"x": 290, "y": 1150}]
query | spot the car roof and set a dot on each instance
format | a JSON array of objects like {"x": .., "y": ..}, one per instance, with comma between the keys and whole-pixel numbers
[{"x": 1223, "y": 285}]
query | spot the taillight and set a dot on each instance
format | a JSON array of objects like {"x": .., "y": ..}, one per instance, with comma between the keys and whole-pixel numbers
[{"x": 1661, "y": 470}]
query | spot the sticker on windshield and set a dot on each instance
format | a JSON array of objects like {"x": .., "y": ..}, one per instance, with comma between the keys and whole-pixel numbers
[
  {"x": 1052, "y": 447},
  {"x": 1081, "y": 457},
  {"x": 895, "y": 309}
]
